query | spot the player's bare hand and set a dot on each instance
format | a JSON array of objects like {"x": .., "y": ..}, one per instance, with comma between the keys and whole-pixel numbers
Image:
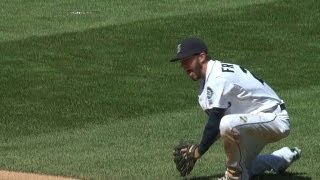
[{"x": 196, "y": 153}]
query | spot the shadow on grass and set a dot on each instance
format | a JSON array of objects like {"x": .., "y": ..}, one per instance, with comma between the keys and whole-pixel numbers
[
  {"x": 283, "y": 176},
  {"x": 215, "y": 176}
]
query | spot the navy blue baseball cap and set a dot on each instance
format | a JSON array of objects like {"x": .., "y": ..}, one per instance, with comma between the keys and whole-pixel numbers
[{"x": 189, "y": 47}]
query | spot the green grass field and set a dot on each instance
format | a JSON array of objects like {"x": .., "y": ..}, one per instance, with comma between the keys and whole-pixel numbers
[{"x": 87, "y": 90}]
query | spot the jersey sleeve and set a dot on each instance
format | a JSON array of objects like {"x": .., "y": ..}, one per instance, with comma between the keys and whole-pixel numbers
[
  {"x": 216, "y": 94},
  {"x": 211, "y": 131}
]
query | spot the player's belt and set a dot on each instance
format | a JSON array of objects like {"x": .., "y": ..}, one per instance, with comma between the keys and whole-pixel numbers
[{"x": 283, "y": 107}]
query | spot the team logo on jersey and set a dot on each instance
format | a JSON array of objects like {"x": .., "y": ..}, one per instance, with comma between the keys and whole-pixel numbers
[
  {"x": 209, "y": 95},
  {"x": 178, "y": 48}
]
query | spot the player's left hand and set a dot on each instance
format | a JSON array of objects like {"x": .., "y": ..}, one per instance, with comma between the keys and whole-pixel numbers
[{"x": 185, "y": 156}]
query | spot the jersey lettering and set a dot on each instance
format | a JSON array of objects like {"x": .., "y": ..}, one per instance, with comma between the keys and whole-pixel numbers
[
  {"x": 227, "y": 67},
  {"x": 245, "y": 71},
  {"x": 235, "y": 89}
]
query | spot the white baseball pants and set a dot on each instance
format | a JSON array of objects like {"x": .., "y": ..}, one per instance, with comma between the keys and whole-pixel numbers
[{"x": 245, "y": 135}]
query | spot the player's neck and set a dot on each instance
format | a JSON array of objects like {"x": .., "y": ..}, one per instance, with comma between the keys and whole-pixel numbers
[{"x": 204, "y": 71}]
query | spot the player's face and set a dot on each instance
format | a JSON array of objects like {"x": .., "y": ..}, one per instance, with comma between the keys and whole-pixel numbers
[{"x": 192, "y": 67}]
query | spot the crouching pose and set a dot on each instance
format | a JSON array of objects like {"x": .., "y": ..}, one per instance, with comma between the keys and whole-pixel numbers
[{"x": 242, "y": 109}]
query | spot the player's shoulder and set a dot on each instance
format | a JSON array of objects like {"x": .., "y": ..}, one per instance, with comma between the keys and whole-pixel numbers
[
  {"x": 216, "y": 78},
  {"x": 222, "y": 71}
]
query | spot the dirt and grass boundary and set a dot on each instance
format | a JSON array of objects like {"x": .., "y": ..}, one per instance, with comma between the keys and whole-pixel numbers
[{"x": 11, "y": 175}]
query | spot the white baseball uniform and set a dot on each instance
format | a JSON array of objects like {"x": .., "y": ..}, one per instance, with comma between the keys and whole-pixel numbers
[{"x": 253, "y": 117}]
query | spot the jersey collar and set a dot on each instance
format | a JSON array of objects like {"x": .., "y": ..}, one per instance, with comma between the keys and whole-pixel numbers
[
  {"x": 209, "y": 69},
  {"x": 208, "y": 73}
]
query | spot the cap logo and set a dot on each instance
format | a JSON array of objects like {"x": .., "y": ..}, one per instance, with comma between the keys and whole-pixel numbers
[{"x": 178, "y": 48}]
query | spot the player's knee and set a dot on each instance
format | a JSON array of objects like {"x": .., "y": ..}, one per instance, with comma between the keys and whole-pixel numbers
[{"x": 226, "y": 126}]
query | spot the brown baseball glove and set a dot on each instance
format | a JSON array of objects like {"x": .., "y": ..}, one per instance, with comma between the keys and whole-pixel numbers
[{"x": 185, "y": 161}]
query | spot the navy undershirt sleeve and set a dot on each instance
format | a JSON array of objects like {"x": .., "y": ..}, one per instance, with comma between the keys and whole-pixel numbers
[{"x": 211, "y": 131}]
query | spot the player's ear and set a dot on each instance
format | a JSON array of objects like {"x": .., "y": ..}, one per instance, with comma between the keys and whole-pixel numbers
[{"x": 202, "y": 57}]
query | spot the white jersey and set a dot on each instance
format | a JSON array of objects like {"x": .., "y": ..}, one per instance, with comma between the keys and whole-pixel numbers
[{"x": 235, "y": 89}]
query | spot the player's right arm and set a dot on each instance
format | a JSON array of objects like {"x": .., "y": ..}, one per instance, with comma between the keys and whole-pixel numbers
[
  {"x": 214, "y": 100},
  {"x": 211, "y": 131}
]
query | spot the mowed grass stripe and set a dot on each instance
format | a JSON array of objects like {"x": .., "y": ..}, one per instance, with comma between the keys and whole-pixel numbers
[{"x": 33, "y": 18}]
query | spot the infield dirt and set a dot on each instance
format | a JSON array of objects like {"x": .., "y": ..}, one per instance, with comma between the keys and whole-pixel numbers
[{"x": 10, "y": 175}]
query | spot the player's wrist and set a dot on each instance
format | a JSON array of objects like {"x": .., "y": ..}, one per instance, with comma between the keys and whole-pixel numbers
[
  {"x": 201, "y": 149},
  {"x": 197, "y": 154}
]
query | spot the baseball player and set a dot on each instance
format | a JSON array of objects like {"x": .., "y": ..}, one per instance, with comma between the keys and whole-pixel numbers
[{"x": 242, "y": 109}]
